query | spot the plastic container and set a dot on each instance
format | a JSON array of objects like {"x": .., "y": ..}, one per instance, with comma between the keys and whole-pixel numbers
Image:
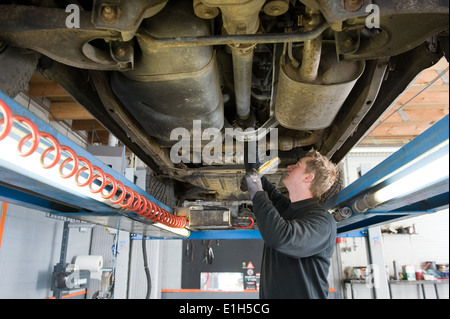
[
  {"x": 409, "y": 272},
  {"x": 419, "y": 274}
]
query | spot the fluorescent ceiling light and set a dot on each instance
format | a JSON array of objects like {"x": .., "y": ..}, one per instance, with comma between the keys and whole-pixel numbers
[
  {"x": 429, "y": 174},
  {"x": 419, "y": 179},
  {"x": 179, "y": 231}
]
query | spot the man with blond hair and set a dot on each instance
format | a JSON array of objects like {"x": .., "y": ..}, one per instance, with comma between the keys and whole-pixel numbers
[{"x": 299, "y": 234}]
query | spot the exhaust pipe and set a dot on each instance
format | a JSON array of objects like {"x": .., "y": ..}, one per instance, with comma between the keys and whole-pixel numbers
[
  {"x": 242, "y": 70},
  {"x": 312, "y": 49},
  {"x": 240, "y": 17}
]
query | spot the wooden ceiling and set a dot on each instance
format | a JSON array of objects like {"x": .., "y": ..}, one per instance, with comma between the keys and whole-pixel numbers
[
  {"x": 421, "y": 105},
  {"x": 64, "y": 108}
]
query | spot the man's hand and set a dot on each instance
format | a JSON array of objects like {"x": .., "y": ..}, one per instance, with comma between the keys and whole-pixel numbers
[{"x": 254, "y": 184}]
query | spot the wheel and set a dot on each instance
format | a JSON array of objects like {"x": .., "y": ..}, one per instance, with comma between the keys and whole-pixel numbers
[
  {"x": 161, "y": 189},
  {"x": 16, "y": 68}
]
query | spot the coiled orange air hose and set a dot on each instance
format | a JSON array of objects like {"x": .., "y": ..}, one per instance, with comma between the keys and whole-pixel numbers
[{"x": 118, "y": 193}]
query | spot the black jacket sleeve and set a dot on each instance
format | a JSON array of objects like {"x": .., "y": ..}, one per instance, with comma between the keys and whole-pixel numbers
[
  {"x": 298, "y": 238},
  {"x": 279, "y": 200}
]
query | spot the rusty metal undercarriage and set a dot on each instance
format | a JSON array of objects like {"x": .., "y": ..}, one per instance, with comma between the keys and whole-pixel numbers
[{"x": 293, "y": 74}]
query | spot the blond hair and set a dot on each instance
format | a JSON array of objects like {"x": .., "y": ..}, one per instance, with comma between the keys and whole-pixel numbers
[{"x": 325, "y": 173}]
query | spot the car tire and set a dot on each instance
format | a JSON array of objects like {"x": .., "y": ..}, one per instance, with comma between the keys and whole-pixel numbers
[
  {"x": 17, "y": 66},
  {"x": 443, "y": 43},
  {"x": 161, "y": 189}
]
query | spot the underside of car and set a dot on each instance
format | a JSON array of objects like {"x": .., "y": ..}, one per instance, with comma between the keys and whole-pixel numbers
[{"x": 194, "y": 87}]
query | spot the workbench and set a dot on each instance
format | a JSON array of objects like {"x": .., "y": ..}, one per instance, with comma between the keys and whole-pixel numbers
[{"x": 421, "y": 283}]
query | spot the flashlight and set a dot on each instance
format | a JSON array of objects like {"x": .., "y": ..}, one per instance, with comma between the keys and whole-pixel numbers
[
  {"x": 263, "y": 169},
  {"x": 268, "y": 166}
]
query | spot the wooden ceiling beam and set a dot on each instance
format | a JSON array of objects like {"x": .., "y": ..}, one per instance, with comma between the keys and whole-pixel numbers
[
  {"x": 420, "y": 106},
  {"x": 98, "y": 137},
  {"x": 416, "y": 115},
  {"x": 393, "y": 141},
  {"x": 416, "y": 88},
  {"x": 46, "y": 89},
  {"x": 425, "y": 98},
  {"x": 68, "y": 111},
  {"x": 400, "y": 129},
  {"x": 87, "y": 125},
  {"x": 428, "y": 76}
]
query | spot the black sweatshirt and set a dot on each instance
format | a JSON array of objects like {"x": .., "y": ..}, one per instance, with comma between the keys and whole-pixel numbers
[{"x": 299, "y": 241}]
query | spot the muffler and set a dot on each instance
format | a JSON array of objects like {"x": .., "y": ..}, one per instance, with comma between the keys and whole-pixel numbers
[{"x": 313, "y": 103}]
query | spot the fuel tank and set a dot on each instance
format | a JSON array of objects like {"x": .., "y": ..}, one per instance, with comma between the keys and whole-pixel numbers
[
  {"x": 313, "y": 105},
  {"x": 171, "y": 87}
]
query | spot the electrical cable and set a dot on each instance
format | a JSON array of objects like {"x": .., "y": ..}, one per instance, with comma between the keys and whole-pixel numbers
[
  {"x": 252, "y": 222},
  {"x": 113, "y": 273},
  {"x": 117, "y": 193},
  {"x": 147, "y": 270}
]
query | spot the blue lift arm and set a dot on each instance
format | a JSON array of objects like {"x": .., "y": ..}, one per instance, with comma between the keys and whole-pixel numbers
[
  {"x": 431, "y": 145},
  {"x": 24, "y": 181}
]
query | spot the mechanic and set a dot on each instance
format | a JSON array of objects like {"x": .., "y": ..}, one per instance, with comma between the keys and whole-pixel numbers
[{"x": 299, "y": 234}]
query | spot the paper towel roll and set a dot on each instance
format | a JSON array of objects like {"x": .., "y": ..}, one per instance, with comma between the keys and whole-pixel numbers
[{"x": 91, "y": 263}]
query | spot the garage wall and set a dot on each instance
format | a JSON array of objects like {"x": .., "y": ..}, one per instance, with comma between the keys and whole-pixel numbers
[
  {"x": 360, "y": 160},
  {"x": 31, "y": 245},
  {"x": 431, "y": 243},
  {"x": 164, "y": 262}
]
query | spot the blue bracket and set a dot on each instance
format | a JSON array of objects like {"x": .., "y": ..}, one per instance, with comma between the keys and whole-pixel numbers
[
  {"x": 357, "y": 233},
  {"x": 412, "y": 156},
  {"x": 215, "y": 234}
]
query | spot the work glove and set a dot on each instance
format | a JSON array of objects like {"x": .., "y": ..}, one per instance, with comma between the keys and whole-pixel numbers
[{"x": 253, "y": 180}]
